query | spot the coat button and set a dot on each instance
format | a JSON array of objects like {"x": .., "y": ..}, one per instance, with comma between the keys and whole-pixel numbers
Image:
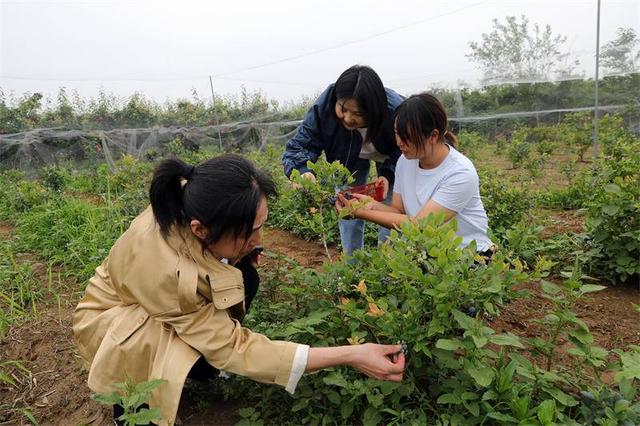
[{"x": 224, "y": 299}]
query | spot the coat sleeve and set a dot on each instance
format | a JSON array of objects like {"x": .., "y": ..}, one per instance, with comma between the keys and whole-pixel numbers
[
  {"x": 308, "y": 142},
  {"x": 228, "y": 346},
  {"x": 205, "y": 324}
]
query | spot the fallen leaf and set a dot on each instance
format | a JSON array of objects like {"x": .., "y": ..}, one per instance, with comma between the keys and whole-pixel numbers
[
  {"x": 355, "y": 340},
  {"x": 362, "y": 287},
  {"x": 374, "y": 310}
]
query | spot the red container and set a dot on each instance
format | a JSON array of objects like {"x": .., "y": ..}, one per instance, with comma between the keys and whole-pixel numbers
[{"x": 374, "y": 190}]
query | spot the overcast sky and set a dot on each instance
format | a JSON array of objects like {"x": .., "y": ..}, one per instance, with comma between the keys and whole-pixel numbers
[{"x": 165, "y": 49}]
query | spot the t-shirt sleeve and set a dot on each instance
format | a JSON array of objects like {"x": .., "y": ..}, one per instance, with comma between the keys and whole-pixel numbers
[{"x": 455, "y": 192}]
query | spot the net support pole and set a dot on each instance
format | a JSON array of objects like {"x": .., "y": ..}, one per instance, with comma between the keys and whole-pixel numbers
[
  {"x": 213, "y": 105},
  {"x": 595, "y": 110}
]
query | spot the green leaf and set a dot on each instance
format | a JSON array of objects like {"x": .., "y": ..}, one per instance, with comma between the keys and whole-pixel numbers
[
  {"x": 546, "y": 411},
  {"x": 146, "y": 387},
  {"x": 480, "y": 341},
  {"x": 346, "y": 410},
  {"x": 371, "y": 417},
  {"x": 29, "y": 415},
  {"x": 300, "y": 404},
  {"x": 482, "y": 376},
  {"x": 465, "y": 321},
  {"x": 576, "y": 352},
  {"x": 612, "y": 188},
  {"x": 621, "y": 406},
  {"x": 390, "y": 411},
  {"x": 246, "y": 412},
  {"x": 448, "y": 344},
  {"x": 474, "y": 408},
  {"x": 562, "y": 398},
  {"x": 489, "y": 395},
  {"x": 145, "y": 416},
  {"x": 550, "y": 288},
  {"x": 506, "y": 340},
  {"x": 5, "y": 378},
  {"x": 448, "y": 398},
  {"x": 630, "y": 366},
  {"x": 375, "y": 399},
  {"x": 610, "y": 209},
  {"x": 583, "y": 336},
  {"x": 590, "y": 288},
  {"x": 469, "y": 396},
  {"x": 627, "y": 389},
  {"x": 334, "y": 397},
  {"x": 335, "y": 379},
  {"x": 502, "y": 417},
  {"x": 112, "y": 398},
  {"x": 387, "y": 387}
]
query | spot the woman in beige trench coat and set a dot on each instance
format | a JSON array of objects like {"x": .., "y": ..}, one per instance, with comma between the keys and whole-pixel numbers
[{"x": 168, "y": 294}]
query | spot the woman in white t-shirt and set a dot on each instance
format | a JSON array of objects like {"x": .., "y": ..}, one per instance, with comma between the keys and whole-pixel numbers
[{"x": 431, "y": 176}]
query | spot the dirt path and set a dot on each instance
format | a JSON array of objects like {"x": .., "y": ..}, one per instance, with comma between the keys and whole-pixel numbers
[
  {"x": 55, "y": 389},
  {"x": 307, "y": 253},
  {"x": 610, "y": 315}
]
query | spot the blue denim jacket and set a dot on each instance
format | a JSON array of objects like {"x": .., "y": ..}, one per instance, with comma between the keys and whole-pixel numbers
[{"x": 321, "y": 131}]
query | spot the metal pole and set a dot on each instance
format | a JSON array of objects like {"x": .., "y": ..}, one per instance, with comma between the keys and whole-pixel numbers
[
  {"x": 213, "y": 106},
  {"x": 595, "y": 111}
]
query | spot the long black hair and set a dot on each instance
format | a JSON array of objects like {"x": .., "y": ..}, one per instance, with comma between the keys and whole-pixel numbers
[
  {"x": 361, "y": 83},
  {"x": 222, "y": 193},
  {"x": 418, "y": 116}
]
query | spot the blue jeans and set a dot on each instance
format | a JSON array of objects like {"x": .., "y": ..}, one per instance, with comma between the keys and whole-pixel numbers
[{"x": 352, "y": 230}]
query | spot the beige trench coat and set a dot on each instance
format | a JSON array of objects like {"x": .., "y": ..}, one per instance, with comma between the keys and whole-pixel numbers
[{"x": 156, "y": 305}]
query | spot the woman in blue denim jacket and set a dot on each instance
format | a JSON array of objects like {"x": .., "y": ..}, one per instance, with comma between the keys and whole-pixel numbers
[{"x": 350, "y": 122}]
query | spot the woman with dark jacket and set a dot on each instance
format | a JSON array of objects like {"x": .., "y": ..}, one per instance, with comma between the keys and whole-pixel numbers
[{"x": 350, "y": 122}]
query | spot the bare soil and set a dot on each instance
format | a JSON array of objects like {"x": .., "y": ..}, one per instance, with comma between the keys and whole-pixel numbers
[{"x": 55, "y": 388}]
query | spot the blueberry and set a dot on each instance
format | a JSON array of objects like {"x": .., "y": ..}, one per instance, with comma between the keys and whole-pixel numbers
[
  {"x": 404, "y": 348},
  {"x": 472, "y": 312},
  {"x": 332, "y": 199}
]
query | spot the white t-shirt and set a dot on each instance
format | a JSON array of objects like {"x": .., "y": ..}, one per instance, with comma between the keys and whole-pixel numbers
[
  {"x": 368, "y": 151},
  {"x": 454, "y": 184}
]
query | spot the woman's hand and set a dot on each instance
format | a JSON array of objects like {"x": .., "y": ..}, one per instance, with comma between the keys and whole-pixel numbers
[
  {"x": 385, "y": 185},
  {"x": 310, "y": 176},
  {"x": 357, "y": 203},
  {"x": 381, "y": 362},
  {"x": 306, "y": 175}
]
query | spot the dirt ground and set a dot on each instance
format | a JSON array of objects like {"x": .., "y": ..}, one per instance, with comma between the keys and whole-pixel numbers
[{"x": 56, "y": 391}]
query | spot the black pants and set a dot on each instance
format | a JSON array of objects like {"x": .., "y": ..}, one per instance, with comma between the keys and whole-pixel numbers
[
  {"x": 251, "y": 280},
  {"x": 202, "y": 371}
]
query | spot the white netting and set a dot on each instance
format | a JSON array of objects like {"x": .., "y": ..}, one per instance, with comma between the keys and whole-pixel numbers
[{"x": 33, "y": 149}]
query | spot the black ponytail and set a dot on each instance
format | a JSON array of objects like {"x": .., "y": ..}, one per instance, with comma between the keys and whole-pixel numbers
[
  {"x": 223, "y": 193},
  {"x": 166, "y": 194}
]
